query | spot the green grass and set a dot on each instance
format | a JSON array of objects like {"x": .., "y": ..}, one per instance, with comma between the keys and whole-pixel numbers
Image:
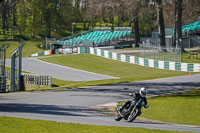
[
  {"x": 125, "y": 71},
  {"x": 180, "y": 108},
  {"x": 17, "y": 125},
  {"x": 164, "y": 56},
  {"x": 30, "y": 47},
  {"x": 186, "y": 59}
]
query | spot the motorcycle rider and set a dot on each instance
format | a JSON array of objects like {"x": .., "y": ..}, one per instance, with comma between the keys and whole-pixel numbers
[{"x": 137, "y": 96}]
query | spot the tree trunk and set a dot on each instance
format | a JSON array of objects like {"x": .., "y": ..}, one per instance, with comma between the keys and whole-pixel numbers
[
  {"x": 130, "y": 24},
  {"x": 3, "y": 14},
  {"x": 161, "y": 25},
  {"x": 48, "y": 23},
  {"x": 14, "y": 16},
  {"x": 175, "y": 21},
  {"x": 88, "y": 27},
  {"x": 84, "y": 24},
  {"x": 92, "y": 14},
  {"x": 179, "y": 24},
  {"x": 136, "y": 29},
  {"x": 77, "y": 4},
  {"x": 118, "y": 23},
  {"x": 7, "y": 15},
  {"x": 113, "y": 22}
]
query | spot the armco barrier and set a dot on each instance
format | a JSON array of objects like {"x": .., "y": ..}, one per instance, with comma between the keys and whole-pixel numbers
[
  {"x": 83, "y": 50},
  {"x": 47, "y": 52},
  {"x": 33, "y": 79},
  {"x": 167, "y": 65},
  {"x": 64, "y": 51}
]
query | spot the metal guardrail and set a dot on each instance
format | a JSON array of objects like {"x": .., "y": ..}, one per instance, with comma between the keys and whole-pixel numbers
[
  {"x": 37, "y": 79},
  {"x": 33, "y": 79}
]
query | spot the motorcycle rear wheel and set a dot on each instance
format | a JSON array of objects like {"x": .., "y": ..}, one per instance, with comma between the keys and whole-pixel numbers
[{"x": 133, "y": 115}]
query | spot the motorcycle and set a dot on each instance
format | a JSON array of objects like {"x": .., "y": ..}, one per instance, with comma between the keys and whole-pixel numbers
[{"x": 130, "y": 111}]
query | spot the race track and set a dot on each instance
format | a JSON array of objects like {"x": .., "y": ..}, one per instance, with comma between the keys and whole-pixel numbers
[
  {"x": 79, "y": 105},
  {"x": 36, "y": 66}
]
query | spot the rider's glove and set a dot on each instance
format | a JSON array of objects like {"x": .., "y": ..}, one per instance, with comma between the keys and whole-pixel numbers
[{"x": 146, "y": 106}]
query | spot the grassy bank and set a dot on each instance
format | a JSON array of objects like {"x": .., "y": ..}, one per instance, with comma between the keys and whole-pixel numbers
[
  {"x": 16, "y": 125},
  {"x": 30, "y": 47},
  {"x": 186, "y": 59},
  {"x": 125, "y": 71},
  {"x": 180, "y": 108}
]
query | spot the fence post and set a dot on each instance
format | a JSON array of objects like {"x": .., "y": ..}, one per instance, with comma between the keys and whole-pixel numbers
[
  {"x": 20, "y": 78},
  {"x": 12, "y": 81},
  {"x": 50, "y": 81}
]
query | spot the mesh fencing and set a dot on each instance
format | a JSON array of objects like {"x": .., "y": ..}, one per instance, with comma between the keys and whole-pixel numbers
[
  {"x": 151, "y": 48},
  {"x": 3, "y": 80},
  {"x": 160, "y": 53}
]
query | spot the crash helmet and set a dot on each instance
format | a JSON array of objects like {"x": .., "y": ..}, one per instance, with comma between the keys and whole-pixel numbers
[{"x": 143, "y": 92}]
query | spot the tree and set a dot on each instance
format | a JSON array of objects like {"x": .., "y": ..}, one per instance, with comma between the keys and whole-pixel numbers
[
  {"x": 22, "y": 11},
  {"x": 161, "y": 25},
  {"x": 178, "y": 23},
  {"x": 4, "y": 16},
  {"x": 133, "y": 8},
  {"x": 41, "y": 18}
]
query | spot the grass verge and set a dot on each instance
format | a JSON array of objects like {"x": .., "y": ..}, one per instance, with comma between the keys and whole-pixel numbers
[
  {"x": 178, "y": 108},
  {"x": 186, "y": 59},
  {"x": 125, "y": 71},
  {"x": 17, "y": 125}
]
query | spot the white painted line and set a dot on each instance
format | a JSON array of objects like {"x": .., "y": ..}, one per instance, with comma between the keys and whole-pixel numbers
[{"x": 111, "y": 104}]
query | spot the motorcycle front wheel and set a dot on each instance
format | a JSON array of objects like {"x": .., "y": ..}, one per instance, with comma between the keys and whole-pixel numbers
[
  {"x": 133, "y": 115},
  {"x": 118, "y": 117}
]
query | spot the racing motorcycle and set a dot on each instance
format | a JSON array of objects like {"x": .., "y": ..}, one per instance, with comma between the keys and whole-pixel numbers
[{"x": 131, "y": 110}]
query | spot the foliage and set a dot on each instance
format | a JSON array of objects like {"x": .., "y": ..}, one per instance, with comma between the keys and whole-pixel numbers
[
  {"x": 43, "y": 17},
  {"x": 39, "y": 19},
  {"x": 186, "y": 59}
]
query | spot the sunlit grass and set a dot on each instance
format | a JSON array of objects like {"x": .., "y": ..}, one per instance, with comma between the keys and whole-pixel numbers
[
  {"x": 29, "y": 48},
  {"x": 179, "y": 108},
  {"x": 17, "y": 125}
]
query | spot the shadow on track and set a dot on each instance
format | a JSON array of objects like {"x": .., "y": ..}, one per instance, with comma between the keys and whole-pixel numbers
[
  {"x": 45, "y": 109},
  {"x": 154, "y": 89}
]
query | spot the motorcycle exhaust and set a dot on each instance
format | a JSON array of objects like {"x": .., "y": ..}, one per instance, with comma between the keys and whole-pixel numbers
[{"x": 118, "y": 110}]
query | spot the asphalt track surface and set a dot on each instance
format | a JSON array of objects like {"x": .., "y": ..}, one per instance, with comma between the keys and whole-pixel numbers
[
  {"x": 79, "y": 105},
  {"x": 36, "y": 66}
]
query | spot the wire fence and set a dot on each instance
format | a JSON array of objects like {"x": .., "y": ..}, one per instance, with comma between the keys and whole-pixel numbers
[
  {"x": 160, "y": 53},
  {"x": 151, "y": 48},
  {"x": 2, "y": 68}
]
